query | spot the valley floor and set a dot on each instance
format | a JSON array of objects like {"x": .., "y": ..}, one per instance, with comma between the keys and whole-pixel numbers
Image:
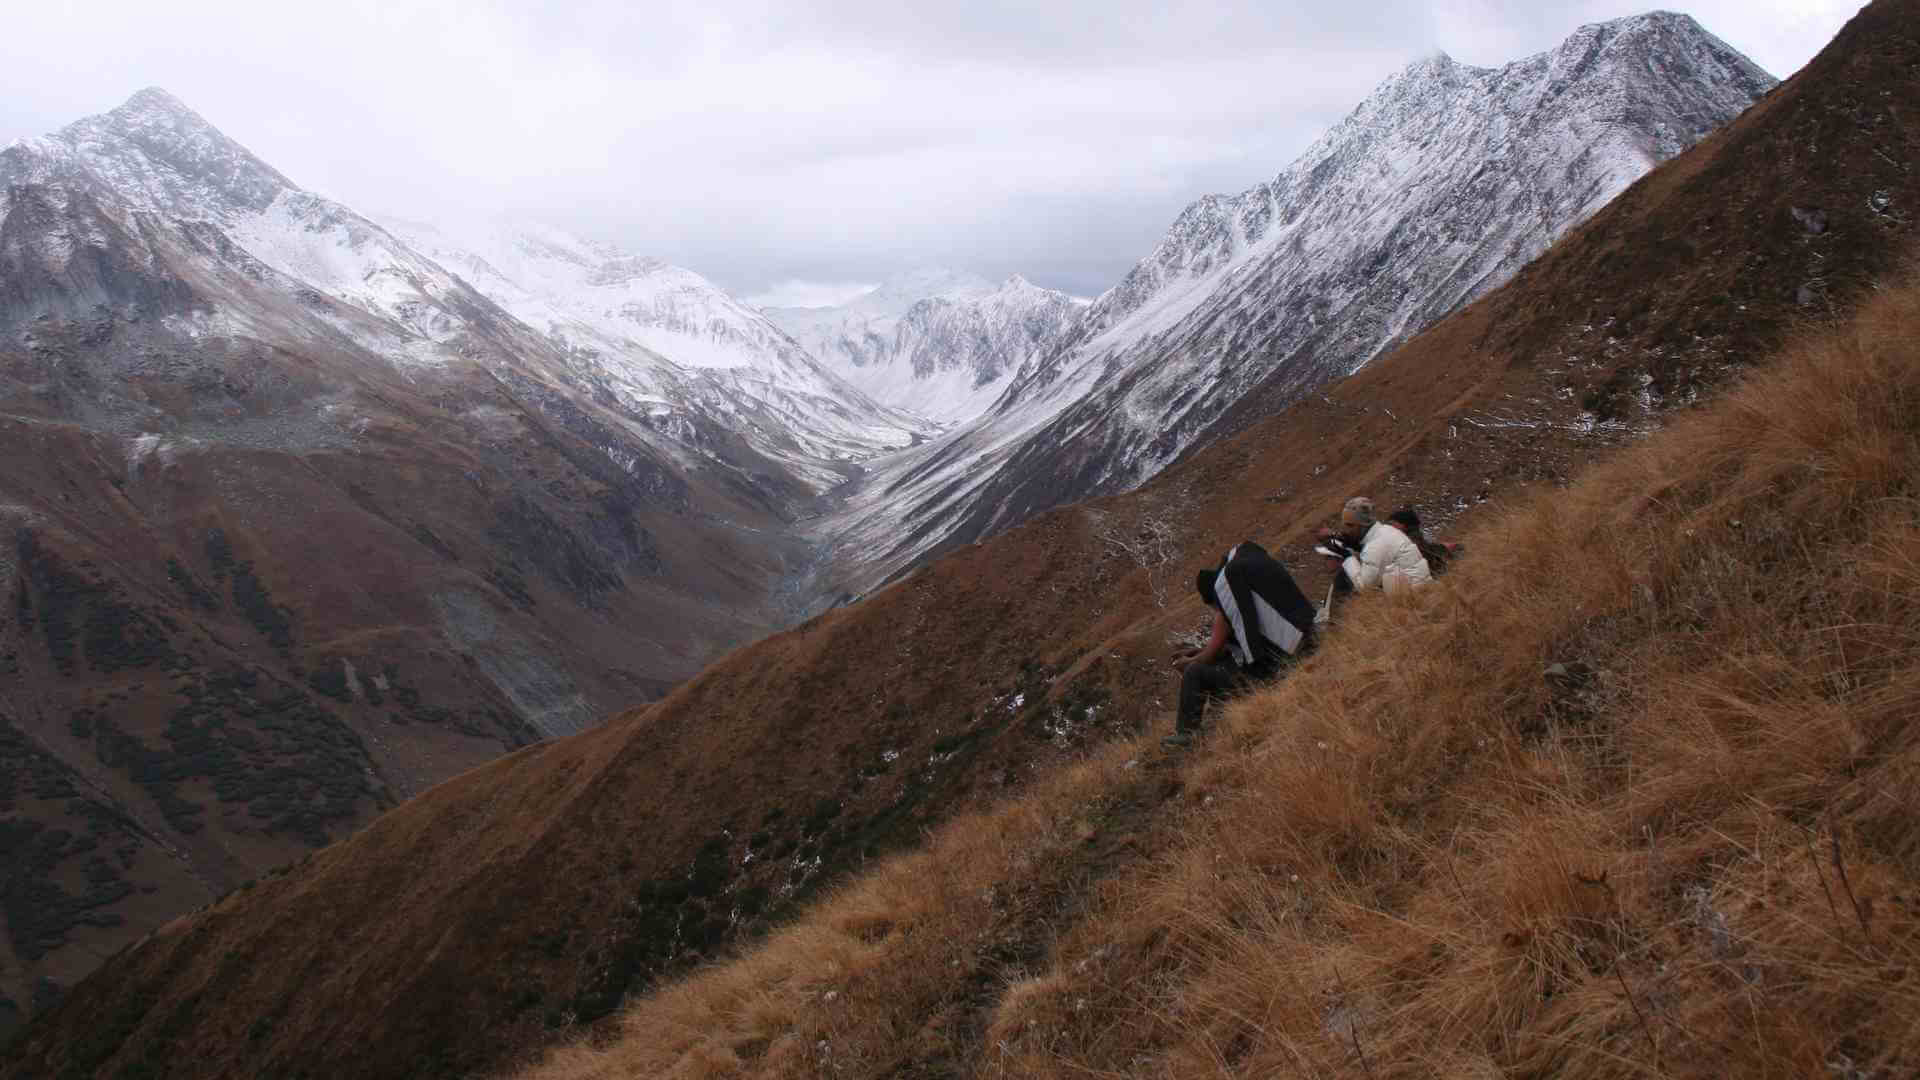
[{"x": 1629, "y": 793}]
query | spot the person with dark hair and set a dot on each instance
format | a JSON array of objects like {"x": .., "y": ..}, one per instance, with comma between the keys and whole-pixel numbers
[
  {"x": 1261, "y": 623},
  {"x": 1390, "y": 558},
  {"x": 1437, "y": 554}
]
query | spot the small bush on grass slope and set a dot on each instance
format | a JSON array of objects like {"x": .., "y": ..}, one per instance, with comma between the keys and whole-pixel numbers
[{"x": 1631, "y": 793}]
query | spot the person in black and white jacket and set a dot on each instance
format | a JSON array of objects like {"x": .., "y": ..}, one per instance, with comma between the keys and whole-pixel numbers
[{"x": 1261, "y": 623}]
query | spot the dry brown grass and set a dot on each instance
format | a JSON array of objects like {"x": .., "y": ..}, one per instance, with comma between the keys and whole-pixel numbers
[
  {"x": 882, "y": 975},
  {"x": 1691, "y": 851}
]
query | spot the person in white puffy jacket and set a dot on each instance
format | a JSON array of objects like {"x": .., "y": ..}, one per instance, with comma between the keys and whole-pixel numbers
[{"x": 1388, "y": 558}]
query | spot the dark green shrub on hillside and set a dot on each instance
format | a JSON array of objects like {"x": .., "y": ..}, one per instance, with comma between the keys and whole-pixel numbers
[
  {"x": 219, "y": 553},
  {"x": 198, "y": 596},
  {"x": 250, "y": 595},
  {"x": 710, "y": 869},
  {"x": 823, "y": 814},
  {"x": 330, "y": 680}
]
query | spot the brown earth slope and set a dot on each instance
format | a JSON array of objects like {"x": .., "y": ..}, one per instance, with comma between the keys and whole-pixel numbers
[
  {"x": 529, "y": 895},
  {"x": 262, "y": 580}
]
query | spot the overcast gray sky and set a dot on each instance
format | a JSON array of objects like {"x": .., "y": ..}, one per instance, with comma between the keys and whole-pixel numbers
[{"x": 793, "y": 151}]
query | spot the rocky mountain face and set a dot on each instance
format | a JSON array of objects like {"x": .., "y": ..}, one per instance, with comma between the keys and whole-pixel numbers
[
  {"x": 938, "y": 344},
  {"x": 859, "y": 332},
  {"x": 296, "y": 523},
  {"x": 1437, "y": 188}
]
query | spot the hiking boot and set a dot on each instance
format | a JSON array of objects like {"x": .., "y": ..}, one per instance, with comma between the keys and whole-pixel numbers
[{"x": 1178, "y": 738}]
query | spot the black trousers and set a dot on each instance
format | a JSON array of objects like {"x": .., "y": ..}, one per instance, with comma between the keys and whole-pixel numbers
[{"x": 1202, "y": 683}]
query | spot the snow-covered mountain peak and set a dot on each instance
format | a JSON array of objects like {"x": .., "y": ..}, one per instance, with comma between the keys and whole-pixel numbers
[
  {"x": 1018, "y": 292},
  {"x": 1692, "y": 80},
  {"x": 1437, "y": 187},
  {"x": 1656, "y": 46},
  {"x": 621, "y": 295},
  {"x": 670, "y": 344},
  {"x": 156, "y": 183},
  {"x": 935, "y": 342},
  {"x": 155, "y": 103},
  {"x": 1630, "y": 26},
  {"x": 1657, "y": 40},
  {"x": 917, "y": 284},
  {"x": 627, "y": 268},
  {"x": 1436, "y": 64},
  {"x": 153, "y": 181},
  {"x": 165, "y": 156}
]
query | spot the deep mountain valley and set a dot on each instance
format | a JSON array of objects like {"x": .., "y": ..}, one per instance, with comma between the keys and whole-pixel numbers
[
  {"x": 309, "y": 512},
  {"x": 202, "y": 683}
]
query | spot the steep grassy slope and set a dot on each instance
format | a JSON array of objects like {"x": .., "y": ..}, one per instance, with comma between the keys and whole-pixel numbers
[
  {"x": 1628, "y": 794},
  {"x": 506, "y": 907}
]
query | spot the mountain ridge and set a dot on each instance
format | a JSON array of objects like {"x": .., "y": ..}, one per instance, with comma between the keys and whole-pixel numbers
[
  {"x": 940, "y": 344},
  {"x": 611, "y": 859},
  {"x": 297, "y": 524},
  {"x": 665, "y": 340},
  {"x": 1386, "y": 222}
]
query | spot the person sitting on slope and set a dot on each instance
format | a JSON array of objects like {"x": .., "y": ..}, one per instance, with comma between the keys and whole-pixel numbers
[
  {"x": 1387, "y": 557},
  {"x": 1401, "y": 562},
  {"x": 1338, "y": 552},
  {"x": 1261, "y": 623},
  {"x": 1438, "y": 553}
]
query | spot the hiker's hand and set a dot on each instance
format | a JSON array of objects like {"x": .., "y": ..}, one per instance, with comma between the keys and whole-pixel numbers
[{"x": 1185, "y": 660}]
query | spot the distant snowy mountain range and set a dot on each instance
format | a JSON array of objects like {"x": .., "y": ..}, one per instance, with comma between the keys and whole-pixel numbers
[
  {"x": 671, "y": 347},
  {"x": 667, "y": 342},
  {"x": 1439, "y": 187},
  {"x": 940, "y": 344}
]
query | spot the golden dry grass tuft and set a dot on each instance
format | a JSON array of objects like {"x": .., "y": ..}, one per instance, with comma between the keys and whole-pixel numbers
[{"x": 1630, "y": 793}]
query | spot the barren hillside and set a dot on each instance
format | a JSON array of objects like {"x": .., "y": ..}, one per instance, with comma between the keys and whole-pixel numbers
[
  {"x": 1626, "y": 795},
  {"x": 508, "y": 907}
]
